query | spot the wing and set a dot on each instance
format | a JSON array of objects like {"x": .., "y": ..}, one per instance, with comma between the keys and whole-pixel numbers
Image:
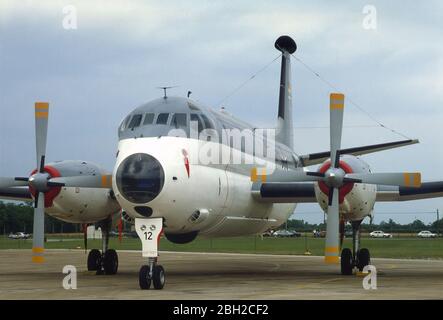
[
  {"x": 317, "y": 158},
  {"x": 425, "y": 191},
  {"x": 16, "y": 193}
]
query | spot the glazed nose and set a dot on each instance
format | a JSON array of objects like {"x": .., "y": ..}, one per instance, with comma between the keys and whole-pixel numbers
[{"x": 140, "y": 178}]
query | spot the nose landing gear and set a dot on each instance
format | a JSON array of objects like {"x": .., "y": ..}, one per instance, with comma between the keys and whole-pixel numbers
[
  {"x": 358, "y": 258},
  {"x": 149, "y": 231},
  {"x": 152, "y": 273}
]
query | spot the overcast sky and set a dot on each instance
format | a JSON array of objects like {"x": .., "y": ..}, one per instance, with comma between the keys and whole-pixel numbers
[{"x": 122, "y": 50}]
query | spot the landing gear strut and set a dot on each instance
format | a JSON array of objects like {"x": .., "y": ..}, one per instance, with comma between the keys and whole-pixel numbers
[
  {"x": 357, "y": 257},
  {"x": 105, "y": 262},
  {"x": 149, "y": 231}
]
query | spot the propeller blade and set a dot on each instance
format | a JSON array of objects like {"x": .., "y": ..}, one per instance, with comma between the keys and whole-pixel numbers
[
  {"x": 315, "y": 174},
  {"x": 332, "y": 245},
  {"x": 41, "y": 132},
  {"x": 39, "y": 229},
  {"x": 104, "y": 181},
  {"x": 6, "y": 182},
  {"x": 336, "y": 106},
  {"x": 401, "y": 179}
]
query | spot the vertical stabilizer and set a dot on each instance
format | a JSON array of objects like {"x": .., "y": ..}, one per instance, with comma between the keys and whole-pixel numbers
[{"x": 285, "y": 128}]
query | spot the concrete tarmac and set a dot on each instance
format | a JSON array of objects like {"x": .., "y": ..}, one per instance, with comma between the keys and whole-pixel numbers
[{"x": 216, "y": 276}]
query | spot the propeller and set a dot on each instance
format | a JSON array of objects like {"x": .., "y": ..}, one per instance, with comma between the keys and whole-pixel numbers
[
  {"x": 335, "y": 178},
  {"x": 41, "y": 181}
]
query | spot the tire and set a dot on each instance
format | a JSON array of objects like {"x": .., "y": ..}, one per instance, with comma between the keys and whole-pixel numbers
[
  {"x": 346, "y": 262},
  {"x": 363, "y": 258},
  {"x": 159, "y": 277},
  {"x": 110, "y": 262},
  {"x": 94, "y": 260},
  {"x": 143, "y": 278}
]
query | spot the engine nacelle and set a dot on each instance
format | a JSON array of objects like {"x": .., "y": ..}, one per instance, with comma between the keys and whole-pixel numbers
[
  {"x": 356, "y": 199},
  {"x": 78, "y": 205}
]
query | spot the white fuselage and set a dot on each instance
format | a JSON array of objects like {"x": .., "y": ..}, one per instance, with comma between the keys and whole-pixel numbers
[{"x": 219, "y": 193}]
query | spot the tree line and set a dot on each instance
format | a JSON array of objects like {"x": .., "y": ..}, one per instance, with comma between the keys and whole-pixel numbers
[
  {"x": 388, "y": 226},
  {"x": 19, "y": 217}
]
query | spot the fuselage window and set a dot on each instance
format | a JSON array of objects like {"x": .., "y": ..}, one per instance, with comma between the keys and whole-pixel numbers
[
  {"x": 162, "y": 118},
  {"x": 149, "y": 118},
  {"x": 208, "y": 123},
  {"x": 195, "y": 117},
  {"x": 135, "y": 121},
  {"x": 179, "y": 120}
]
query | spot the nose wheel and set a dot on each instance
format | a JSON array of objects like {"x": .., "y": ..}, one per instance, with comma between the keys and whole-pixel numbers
[{"x": 152, "y": 274}]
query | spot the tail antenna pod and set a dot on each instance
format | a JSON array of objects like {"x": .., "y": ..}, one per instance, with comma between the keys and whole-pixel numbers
[{"x": 285, "y": 44}]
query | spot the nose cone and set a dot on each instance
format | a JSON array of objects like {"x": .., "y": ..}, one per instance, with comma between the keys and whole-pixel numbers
[{"x": 140, "y": 178}]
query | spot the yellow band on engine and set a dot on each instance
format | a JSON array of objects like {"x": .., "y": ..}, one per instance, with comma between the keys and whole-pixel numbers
[
  {"x": 254, "y": 175},
  {"x": 106, "y": 181}
]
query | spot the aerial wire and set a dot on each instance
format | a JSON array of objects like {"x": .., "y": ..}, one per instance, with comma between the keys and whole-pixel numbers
[
  {"x": 329, "y": 84},
  {"x": 249, "y": 79},
  {"x": 325, "y": 81}
]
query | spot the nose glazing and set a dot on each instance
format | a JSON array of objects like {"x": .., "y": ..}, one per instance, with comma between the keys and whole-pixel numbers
[{"x": 140, "y": 178}]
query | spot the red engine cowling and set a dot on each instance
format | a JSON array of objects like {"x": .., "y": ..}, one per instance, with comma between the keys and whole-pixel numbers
[
  {"x": 356, "y": 199},
  {"x": 347, "y": 187},
  {"x": 53, "y": 192}
]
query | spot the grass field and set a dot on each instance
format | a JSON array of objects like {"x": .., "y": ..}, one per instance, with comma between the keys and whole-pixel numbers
[{"x": 381, "y": 248}]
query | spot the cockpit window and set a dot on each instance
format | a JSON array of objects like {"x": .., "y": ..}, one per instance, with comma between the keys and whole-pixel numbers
[
  {"x": 195, "y": 117},
  {"x": 179, "y": 120},
  {"x": 149, "y": 118},
  {"x": 125, "y": 123},
  {"x": 208, "y": 123},
  {"x": 135, "y": 121},
  {"x": 162, "y": 118}
]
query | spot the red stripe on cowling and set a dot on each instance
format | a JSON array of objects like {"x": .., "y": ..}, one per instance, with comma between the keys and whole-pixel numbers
[
  {"x": 345, "y": 189},
  {"x": 53, "y": 191}
]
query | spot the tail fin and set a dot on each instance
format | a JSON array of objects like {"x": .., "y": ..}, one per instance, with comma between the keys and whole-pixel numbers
[{"x": 285, "y": 128}]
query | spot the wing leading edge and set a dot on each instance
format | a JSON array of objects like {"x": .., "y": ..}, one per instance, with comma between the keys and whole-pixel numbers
[{"x": 317, "y": 158}]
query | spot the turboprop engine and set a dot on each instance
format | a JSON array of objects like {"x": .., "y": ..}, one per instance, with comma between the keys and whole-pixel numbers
[
  {"x": 76, "y": 204},
  {"x": 356, "y": 199}
]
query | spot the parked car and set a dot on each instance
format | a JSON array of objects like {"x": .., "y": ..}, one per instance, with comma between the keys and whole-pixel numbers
[
  {"x": 380, "y": 234},
  {"x": 268, "y": 233},
  {"x": 348, "y": 234},
  {"x": 319, "y": 234},
  {"x": 426, "y": 234},
  {"x": 19, "y": 235},
  {"x": 286, "y": 233}
]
